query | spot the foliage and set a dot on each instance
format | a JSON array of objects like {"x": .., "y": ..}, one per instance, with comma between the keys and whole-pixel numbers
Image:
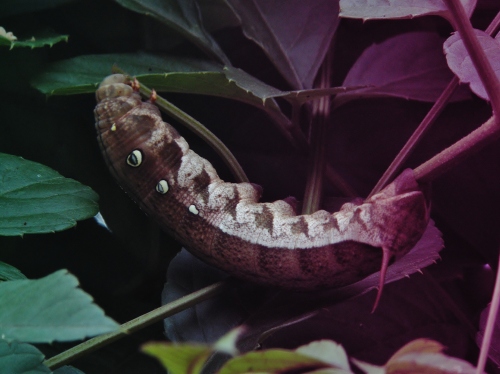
[
  {"x": 249, "y": 71},
  {"x": 323, "y": 356}
]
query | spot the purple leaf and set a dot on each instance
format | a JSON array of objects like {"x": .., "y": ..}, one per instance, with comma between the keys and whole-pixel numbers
[
  {"x": 409, "y": 66},
  {"x": 294, "y": 34},
  {"x": 383, "y": 9},
  {"x": 409, "y": 309},
  {"x": 460, "y": 63}
]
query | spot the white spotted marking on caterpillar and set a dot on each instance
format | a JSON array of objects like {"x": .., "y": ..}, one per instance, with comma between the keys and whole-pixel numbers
[{"x": 193, "y": 209}]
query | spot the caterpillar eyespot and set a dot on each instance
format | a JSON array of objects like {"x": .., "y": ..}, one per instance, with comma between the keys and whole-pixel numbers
[
  {"x": 265, "y": 243},
  {"x": 134, "y": 159},
  {"x": 162, "y": 187}
]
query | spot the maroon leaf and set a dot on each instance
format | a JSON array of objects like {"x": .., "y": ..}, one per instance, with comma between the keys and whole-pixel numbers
[
  {"x": 409, "y": 66},
  {"x": 294, "y": 34},
  {"x": 460, "y": 63},
  {"x": 383, "y": 9}
]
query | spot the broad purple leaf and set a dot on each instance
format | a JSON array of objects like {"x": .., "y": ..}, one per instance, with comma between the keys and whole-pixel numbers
[
  {"x": 410, "y": 66},
  {"x": 294, "y": 34},
  {"x": 409, "y": 309},
  {"x": 383, "y": 9},
  {"x": 460, "y": 63}
]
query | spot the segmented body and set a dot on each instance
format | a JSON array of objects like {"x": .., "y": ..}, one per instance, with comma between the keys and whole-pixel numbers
[{"x": 224, "y": 224}]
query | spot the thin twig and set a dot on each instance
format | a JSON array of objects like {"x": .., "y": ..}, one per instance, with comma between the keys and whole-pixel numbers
[
  {"x": 426, "y": 123},
  {"x": 415, "y": 138},
  {"x": 465, "y": 147},
  {"x": 136, "y": 324},
  {"x": 321, "y": 118}
]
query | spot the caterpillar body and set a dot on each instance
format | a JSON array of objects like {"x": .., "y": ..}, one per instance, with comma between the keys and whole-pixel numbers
[{"x": 224, "y": 224}]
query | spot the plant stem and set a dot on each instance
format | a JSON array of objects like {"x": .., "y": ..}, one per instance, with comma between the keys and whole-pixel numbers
[
  {"x": 136, "y": 324},
  {"x": 415, "y": 138},
  {"x": 487, "y": 132},
  {"x": 425, "y": 125},
  {"x": 490, "y": 324},
  {"x": 321, "y": 118},
  {"x": 477, "y": 139},
  {"x": 476, "y": 53}
]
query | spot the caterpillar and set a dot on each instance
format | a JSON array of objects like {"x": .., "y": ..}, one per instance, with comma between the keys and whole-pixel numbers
[{"x": 224, "y": 224}]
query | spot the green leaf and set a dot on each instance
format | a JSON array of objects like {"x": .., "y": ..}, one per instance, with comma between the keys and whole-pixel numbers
[
  {"x": 250, "y": 85},
  {"x": 8, "y": 272},
  {"x": 271, "y": 360},
  {"x": 326, "y": 351},
  {"x": 190, "y": 358},
  {"x": 232, "y": 84},
  {"x": 48, "y": 309},
  {"x": 294, "y": 34},
  {"x": 368, "y": 368},
  {"x": 11, "y": 7},
  {"x": 37, "y": 199},
  {"x": 227, "y": 343},
  {"x": 82, "y": 74},
  {"x": 214, "y": 83},
  {"x": 19, "y": 358},
  {"x": 182, "y": 16},
  {"x": 179, "y": 358},
  {"x": 434, "y": 363},
  {"x": 330, "y": 371},
  {"x": 418, "y": 346},
  {"x": 39, "y": 39}
]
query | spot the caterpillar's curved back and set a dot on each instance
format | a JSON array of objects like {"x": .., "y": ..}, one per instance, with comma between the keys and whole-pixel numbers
[{"x": 225, "y": 225}]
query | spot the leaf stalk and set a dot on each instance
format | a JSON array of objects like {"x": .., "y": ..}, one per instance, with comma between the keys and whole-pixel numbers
[{"x": 136, "y": 324}]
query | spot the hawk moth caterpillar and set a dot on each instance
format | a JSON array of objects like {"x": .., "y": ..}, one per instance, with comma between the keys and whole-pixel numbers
[{"x": 224, "y": 224}]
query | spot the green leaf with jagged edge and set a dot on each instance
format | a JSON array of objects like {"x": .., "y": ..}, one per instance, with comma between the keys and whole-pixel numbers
[
  {"x": 21, "y": 358},
  {"x": 184, "y": 17},
  {"x": 82, "y": 74},
  {"x": 48, "y": 309},
  {"x": 323, "y": 356},
  {"x": 8, "y": 272},
  {"x": 419, "y": 356},
  {"x": 170, "y": 74},
  {"x": 37, "y": 199},
  {"x": 190, "y": 358},
  {"x": 179, "y": 358},
  {"x": 37, "y": 40},
  {"x": 271, "y": 361}
]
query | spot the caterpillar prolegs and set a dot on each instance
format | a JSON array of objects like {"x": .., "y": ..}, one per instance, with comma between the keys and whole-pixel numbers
[{"x": 224, "y": 224}]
